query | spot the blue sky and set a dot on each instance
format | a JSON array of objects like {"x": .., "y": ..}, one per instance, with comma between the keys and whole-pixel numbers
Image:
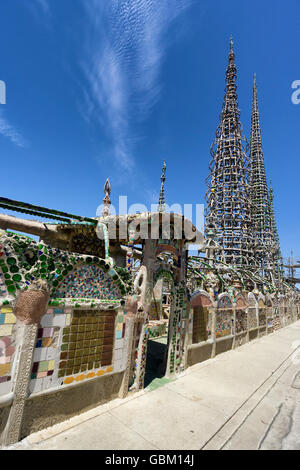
[{"x": 99, "y": 89}]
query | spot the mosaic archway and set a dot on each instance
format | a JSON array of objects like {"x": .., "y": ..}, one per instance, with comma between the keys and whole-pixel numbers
[{"x": 158, "y": 327}]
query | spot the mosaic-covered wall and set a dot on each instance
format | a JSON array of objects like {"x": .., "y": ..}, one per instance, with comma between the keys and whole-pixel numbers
[
  {"x": 7, "y": 348},
  {"x": 179, "y": 323},
  {"x": 276, "y": 317},
  {"x": 201, "y": 327},
  {"x": 89, "y": 282},
  {"x": 224, "y": 318},
  {"x": 158, "y": 328},
  {"x": 75, "y": 345},
  {"x": 262, "y": 314},
  {"x": 3, "y": 289},
  {"x": 241, "y": 321},
  {"x": 68, "y": 275},
  {"x": 252, "y": 312},
  {"x": 270, "y": 316}
]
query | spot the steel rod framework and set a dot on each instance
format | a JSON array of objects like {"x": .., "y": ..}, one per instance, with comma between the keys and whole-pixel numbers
[
  {"x": 259, "y": 197},
  {"x": 228, "y": 212}
]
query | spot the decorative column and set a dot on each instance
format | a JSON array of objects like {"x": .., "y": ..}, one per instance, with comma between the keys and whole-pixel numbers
[
  {"x": 30, "y": 307},
  {"x": 130, "y": 321}
]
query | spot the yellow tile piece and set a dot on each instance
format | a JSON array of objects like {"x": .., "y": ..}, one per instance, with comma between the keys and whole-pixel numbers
[
  {"x": 68, "y": 380},
  {"x": 4, "y": 369},
  {"x": 100, "y": 372},
  {"x": 109, "y": 369},
  {"x": 46, "y": 342},
  {"x": 6, "y": 310},
  {"x": 80, "y": 377},
  {"x": 51, "y": 365},
  {"x": 90, "y": 375},
  {"x": 10, "y": 319},
  {"x": 6, "y": 330}
]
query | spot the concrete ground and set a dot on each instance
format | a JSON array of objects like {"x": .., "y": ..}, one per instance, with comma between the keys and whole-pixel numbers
[{"x": 248, "y": 398}]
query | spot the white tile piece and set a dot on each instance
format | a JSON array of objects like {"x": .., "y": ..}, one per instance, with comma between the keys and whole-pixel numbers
[
  {"x": 118, "y": 354},
  {"x": 59, "y": 320},
  {"x": 5, "y": 388},
  {"x": 47, "y": 320},
  {"x": 118, "y": 366},
  {"x": 39, "y": 354},
  {"x": 35, "y": 385},
  {"x": 47, "y": 382},
  {"x": 119, "y": 343},
  {"x": 51, "y": 354}
]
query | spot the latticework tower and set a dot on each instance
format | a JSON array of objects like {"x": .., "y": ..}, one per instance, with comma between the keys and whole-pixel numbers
[
  {"x": 260, "y": 205},
  {"x": 228, "y": 212},
  {"x": 276, "y": 256}
]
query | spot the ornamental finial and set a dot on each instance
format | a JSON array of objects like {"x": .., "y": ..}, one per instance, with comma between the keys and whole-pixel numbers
[
  {"x": 161, "y": 203},
  {"x": 106, "y": 200}
]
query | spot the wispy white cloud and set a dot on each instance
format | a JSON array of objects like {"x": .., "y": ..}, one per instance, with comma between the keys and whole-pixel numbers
[
  {"x": 8, "y": 130},
  {"x": 125, "y": 47}
]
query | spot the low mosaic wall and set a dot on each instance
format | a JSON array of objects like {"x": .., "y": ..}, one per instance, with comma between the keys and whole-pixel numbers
[
  {"x": 236, "y": 324},
  {"x": 79, "y": 361},
  {"x": 46, "y": 409}
]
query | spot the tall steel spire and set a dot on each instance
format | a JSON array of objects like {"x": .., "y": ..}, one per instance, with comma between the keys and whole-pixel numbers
[
  {"x": 277, "y": 256},
  {"x": 228, "y": 209},
  {"x": 260, "y": 204},
  {"x": 162, "y": 202}
]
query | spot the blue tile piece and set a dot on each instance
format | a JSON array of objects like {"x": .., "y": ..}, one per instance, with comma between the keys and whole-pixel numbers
[
  {"x": 2, "y": 318},
  {"x": 58, "y": 310}
]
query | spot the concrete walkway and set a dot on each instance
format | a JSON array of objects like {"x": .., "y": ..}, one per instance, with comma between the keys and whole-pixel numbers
[{"x": 248, "y": 398}]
